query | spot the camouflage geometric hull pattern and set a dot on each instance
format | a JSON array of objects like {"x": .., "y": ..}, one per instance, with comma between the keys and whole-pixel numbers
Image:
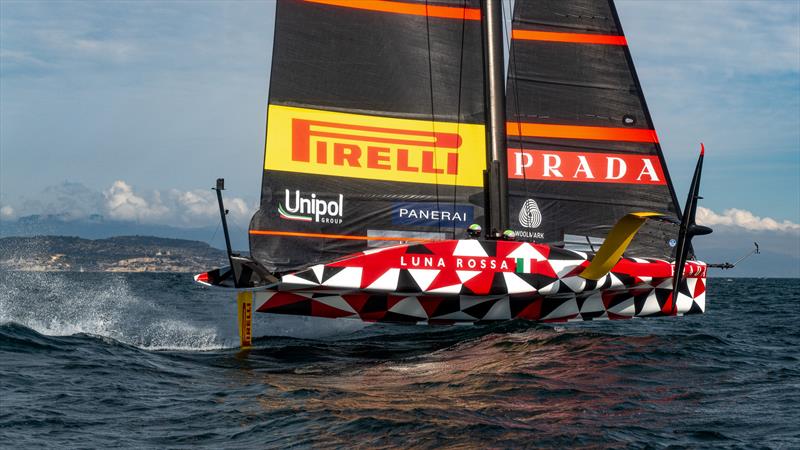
[{"x": 466, "y": 281}]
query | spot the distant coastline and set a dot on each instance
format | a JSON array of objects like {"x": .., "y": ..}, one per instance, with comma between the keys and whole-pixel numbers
[
  {"x": 116, "y": 254},
  {"x": 146, "y": 253},
  {"x": 95, "y": 226}
]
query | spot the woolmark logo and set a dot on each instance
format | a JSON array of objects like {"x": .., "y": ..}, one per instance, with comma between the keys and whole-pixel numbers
[
  {"x": 529, "y": 215},
  {"x": 310, "y": 208}
]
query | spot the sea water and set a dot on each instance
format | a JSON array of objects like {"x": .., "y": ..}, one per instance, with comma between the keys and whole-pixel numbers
[{"x": 150, "y": 361}]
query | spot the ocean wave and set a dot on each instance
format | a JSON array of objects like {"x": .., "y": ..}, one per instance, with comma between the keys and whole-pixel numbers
[
  {"x": 81, "y": 351},
  {"x": 53, "y": 304}
]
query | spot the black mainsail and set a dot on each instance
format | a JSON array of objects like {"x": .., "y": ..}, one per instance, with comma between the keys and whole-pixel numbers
[
  {"x": 376, "y": 135},
  {"x": 582, "y": 148},
  {"x": 375, "y": 128}
]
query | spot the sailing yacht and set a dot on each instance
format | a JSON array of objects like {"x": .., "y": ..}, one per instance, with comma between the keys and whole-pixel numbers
[{"x": 409, "y": 177}]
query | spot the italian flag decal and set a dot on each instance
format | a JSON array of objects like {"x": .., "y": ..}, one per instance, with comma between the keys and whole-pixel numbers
[
  {"x": 523, "y": 265},
  {"x": 285, "y": 215}
]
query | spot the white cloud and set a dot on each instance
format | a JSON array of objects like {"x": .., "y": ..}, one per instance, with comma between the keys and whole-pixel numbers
[
  {"x": 68, "y": 199},
  {"x": 117, "y": 51},
  {"x": 14, "y": 58},
  {"x": 178, "y": 208},
  {"x": 195, "y": 202},
  {"x": 74, "y": 43},
  {"x": 751, "y": 37},
  {"x": 123, "y": 204},
  {"x": 741, "y": 218},
  {"x": 7, "y": 212},
  {"x": 201, "y": 205}
]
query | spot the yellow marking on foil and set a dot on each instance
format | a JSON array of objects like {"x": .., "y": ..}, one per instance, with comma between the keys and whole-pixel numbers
[
  {"x": 244, "y": 304},
  {"x": 615, "y": 244}
]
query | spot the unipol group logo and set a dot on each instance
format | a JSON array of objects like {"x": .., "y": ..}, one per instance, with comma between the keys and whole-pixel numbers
[
  {"x": 310, "y": 208},
  {"x": 377, "y": 148},
  {"x": 529, "y": 215}
]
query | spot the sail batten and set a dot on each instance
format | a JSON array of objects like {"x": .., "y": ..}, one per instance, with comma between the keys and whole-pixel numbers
[
  {"x": 576, "y": 38},
  {"x": 408, "y": 8},
  {"x": 547, "y": 130}
]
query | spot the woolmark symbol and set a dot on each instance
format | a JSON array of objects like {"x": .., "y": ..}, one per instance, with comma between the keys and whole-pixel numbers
[{"x": 529, "y": 214}]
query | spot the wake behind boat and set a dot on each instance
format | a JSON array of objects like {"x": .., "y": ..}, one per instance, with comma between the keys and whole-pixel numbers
[{"x": 408, "y": 179}]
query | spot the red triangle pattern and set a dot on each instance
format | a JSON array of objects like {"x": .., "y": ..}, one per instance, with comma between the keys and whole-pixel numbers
[
  {"x": 319, "y": 309},
  {"x": 375, "y": 264}
]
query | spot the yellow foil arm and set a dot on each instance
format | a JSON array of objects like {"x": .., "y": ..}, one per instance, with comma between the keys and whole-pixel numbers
[{"x": 615, "y": 244}]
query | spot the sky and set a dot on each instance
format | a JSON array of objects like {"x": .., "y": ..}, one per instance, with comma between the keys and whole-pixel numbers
[{"x": 133, "y": 109}]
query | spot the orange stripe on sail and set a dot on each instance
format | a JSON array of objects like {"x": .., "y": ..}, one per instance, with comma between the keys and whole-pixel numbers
[
  {"x": 414, "y": 9},
  {"x": 577, "y": 38},
  {"x": 337, "y": 236},
  {"x": 581, "y": 132}
]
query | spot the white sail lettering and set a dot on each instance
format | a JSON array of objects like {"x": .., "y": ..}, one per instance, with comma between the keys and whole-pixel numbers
[
  {"x": 340, "y": 206},
  {"x": 648, "y": 170},
  {"x": 296, "y": 202},
  {"x": 620, "y": 168},
  {"x": 320, "y": 209},
  {"x": 519, "y": 164},
  {"x": 583, "y": 166},
  {"x": 305, "y": 203},
  {"x": 551, "y": 164}
]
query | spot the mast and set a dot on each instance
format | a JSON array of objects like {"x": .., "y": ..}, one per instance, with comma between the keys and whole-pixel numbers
[
  {"x": 222, "y": 214},
  {"x": 494, "y": 79}
]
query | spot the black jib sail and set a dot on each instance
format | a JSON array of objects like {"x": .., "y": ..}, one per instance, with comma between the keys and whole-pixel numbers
[
  {"x": 375, "y": 128},
  {"x": 582, "y": 151}
]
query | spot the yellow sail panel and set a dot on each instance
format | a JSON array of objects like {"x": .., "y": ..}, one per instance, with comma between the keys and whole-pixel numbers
[{"x": 375, "y": 148}]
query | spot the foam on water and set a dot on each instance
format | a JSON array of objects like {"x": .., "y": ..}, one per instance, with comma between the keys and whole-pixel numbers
[
  {"x": 65, "y": 304},
  {"x": 54, "y": 305}
]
